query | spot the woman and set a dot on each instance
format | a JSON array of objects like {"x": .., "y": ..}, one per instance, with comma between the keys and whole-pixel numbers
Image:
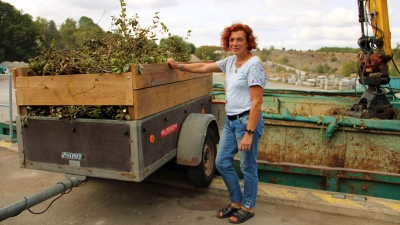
[{"x": 243, "y": 128}]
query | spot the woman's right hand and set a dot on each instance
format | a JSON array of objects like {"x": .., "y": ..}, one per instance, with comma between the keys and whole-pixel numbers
[{"x": 173, "y": 64}]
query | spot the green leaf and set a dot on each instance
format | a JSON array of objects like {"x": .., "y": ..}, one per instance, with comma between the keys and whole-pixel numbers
[
  {"x": 127, "y": 117},
  {"x": 126, "y": 68},
  {"x": 141, "y": 68}
]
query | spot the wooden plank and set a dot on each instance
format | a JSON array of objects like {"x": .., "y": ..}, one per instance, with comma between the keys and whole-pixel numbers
[
  {"x": 182, "y": 75},
  {"x": 149, "y": 101},
  {"x": 159, "y": 74},
  {"x": 131, "y": 112},
  {"x": 19, "y": 72},
  {"x": 14, "y": 75},
  {"x": 81, "y": 80},
  {"x": 157, "y": 89},
  {"x": 22, "y": 71},
  {"x": 85, "y": 89},
  {"x": 153, "y": 75},
  {"x": 22, "y": 110}
]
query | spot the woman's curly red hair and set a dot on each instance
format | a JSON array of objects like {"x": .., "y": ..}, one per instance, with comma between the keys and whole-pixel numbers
[{"x": 251, "y": 39}]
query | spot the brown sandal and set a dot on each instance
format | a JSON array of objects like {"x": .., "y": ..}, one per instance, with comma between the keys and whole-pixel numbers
[{"x": 227, "y": 212}]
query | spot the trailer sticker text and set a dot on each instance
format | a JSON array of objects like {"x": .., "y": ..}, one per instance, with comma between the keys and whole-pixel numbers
[
  {"x": 169, "y": 130},
  {"x": 69, "y": 155}
]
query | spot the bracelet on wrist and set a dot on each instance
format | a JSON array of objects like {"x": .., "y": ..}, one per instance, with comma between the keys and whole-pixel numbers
[{"x": 249, "y": 131}]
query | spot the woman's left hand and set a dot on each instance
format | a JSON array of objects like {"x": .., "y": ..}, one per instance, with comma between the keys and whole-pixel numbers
[{"x": 245, "y": 143}]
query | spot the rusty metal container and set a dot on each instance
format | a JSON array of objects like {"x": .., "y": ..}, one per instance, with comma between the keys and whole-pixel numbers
[{"x": 309, "y": 143}]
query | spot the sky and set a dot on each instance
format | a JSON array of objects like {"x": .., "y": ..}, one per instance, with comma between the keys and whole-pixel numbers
[{"x": 289, "y": 24}]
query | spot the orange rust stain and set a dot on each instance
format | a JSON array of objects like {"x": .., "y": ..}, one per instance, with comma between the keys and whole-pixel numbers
[{"x": 129, "y": 175}]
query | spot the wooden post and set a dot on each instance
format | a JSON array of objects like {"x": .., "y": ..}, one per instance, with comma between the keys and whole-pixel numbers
[{"x": 19, "y": 72}]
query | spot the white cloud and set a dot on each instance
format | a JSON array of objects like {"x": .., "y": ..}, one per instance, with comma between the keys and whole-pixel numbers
[
  {"x": 156, "y": 4},
  {"x": 341, "y": 17}
]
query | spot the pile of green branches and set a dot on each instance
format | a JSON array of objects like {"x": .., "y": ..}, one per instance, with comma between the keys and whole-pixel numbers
[
  {"x": 73, "y": 112},
  {"x": 126, "y": 43}
]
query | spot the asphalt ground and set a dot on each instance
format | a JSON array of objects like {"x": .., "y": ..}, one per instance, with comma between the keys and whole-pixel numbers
[{"x": 277, "y": 204}]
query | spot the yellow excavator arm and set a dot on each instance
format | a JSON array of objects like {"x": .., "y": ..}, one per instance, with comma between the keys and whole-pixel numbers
[
  {"x": 376, "y": 52},
  {"x": 378, "y": 10},
  {"x": 375, "y": 14}
]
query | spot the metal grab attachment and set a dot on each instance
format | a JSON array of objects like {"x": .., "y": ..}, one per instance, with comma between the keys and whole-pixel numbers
[{"x": 18, "y": 207}]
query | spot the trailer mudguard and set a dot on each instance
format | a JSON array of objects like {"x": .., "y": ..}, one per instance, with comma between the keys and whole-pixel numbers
[{"x": 192, "y": 136}]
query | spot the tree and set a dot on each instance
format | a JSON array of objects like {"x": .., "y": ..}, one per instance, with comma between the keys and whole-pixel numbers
[
  {"x": 396, "y": 52},
  {"x": 263, "y": 58},
  {"x": 283, "y": 60},
  {"x": 396, "y": 56},
  {"x": 326, "y": 68},
  {"x": 176, "y": 40},
  {"x": 319, "y": 69},
  {"x": 306, "y": 68},
  {"x": 265, "y": 54},
  {"x": 48, "y": 29},
  {"x": 349, "y": 67},
  {"x": 323, "y": 68},
  {"x": 67, "y": 30},
  {"x": 210, "y": 51},
  {"x": 338, "y": 49},
  {"x": 393, "y": 70},
  {"x": 87, "y": 30},
  {"x": 272, "y": 48},
  {"x": 18, "y": 34},
  {"x": 333, "y": 70}
]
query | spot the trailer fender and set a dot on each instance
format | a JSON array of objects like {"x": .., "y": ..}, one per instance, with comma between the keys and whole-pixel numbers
[{"x": 192, "y": 137}]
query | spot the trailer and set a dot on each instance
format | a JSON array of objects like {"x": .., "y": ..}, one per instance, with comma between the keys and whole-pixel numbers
[{"x": 169, "y": 119}]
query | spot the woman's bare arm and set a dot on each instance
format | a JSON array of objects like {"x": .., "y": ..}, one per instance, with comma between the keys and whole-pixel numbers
[{"x": 199, "y": 67}]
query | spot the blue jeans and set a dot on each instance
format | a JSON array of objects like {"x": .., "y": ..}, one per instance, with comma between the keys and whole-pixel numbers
[{"x": 232, "y": 134}]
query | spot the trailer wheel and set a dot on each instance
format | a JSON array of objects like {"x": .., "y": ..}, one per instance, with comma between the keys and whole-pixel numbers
[{"x": 202, "y": 174}]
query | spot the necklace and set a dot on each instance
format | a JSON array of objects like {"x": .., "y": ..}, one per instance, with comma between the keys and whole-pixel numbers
[{"x": 241, "y": 62}]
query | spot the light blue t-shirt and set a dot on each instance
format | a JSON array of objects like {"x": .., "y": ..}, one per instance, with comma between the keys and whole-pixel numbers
[{"x": 237, "y": 82}]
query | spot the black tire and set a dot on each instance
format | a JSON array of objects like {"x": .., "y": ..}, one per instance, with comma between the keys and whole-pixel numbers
[{"x": 202, "y": 174}]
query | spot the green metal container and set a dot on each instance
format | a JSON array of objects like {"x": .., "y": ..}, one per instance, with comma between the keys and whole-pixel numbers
[
  {"x": 309, "y": 142},
  {"x": 5, "y": 131}
]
